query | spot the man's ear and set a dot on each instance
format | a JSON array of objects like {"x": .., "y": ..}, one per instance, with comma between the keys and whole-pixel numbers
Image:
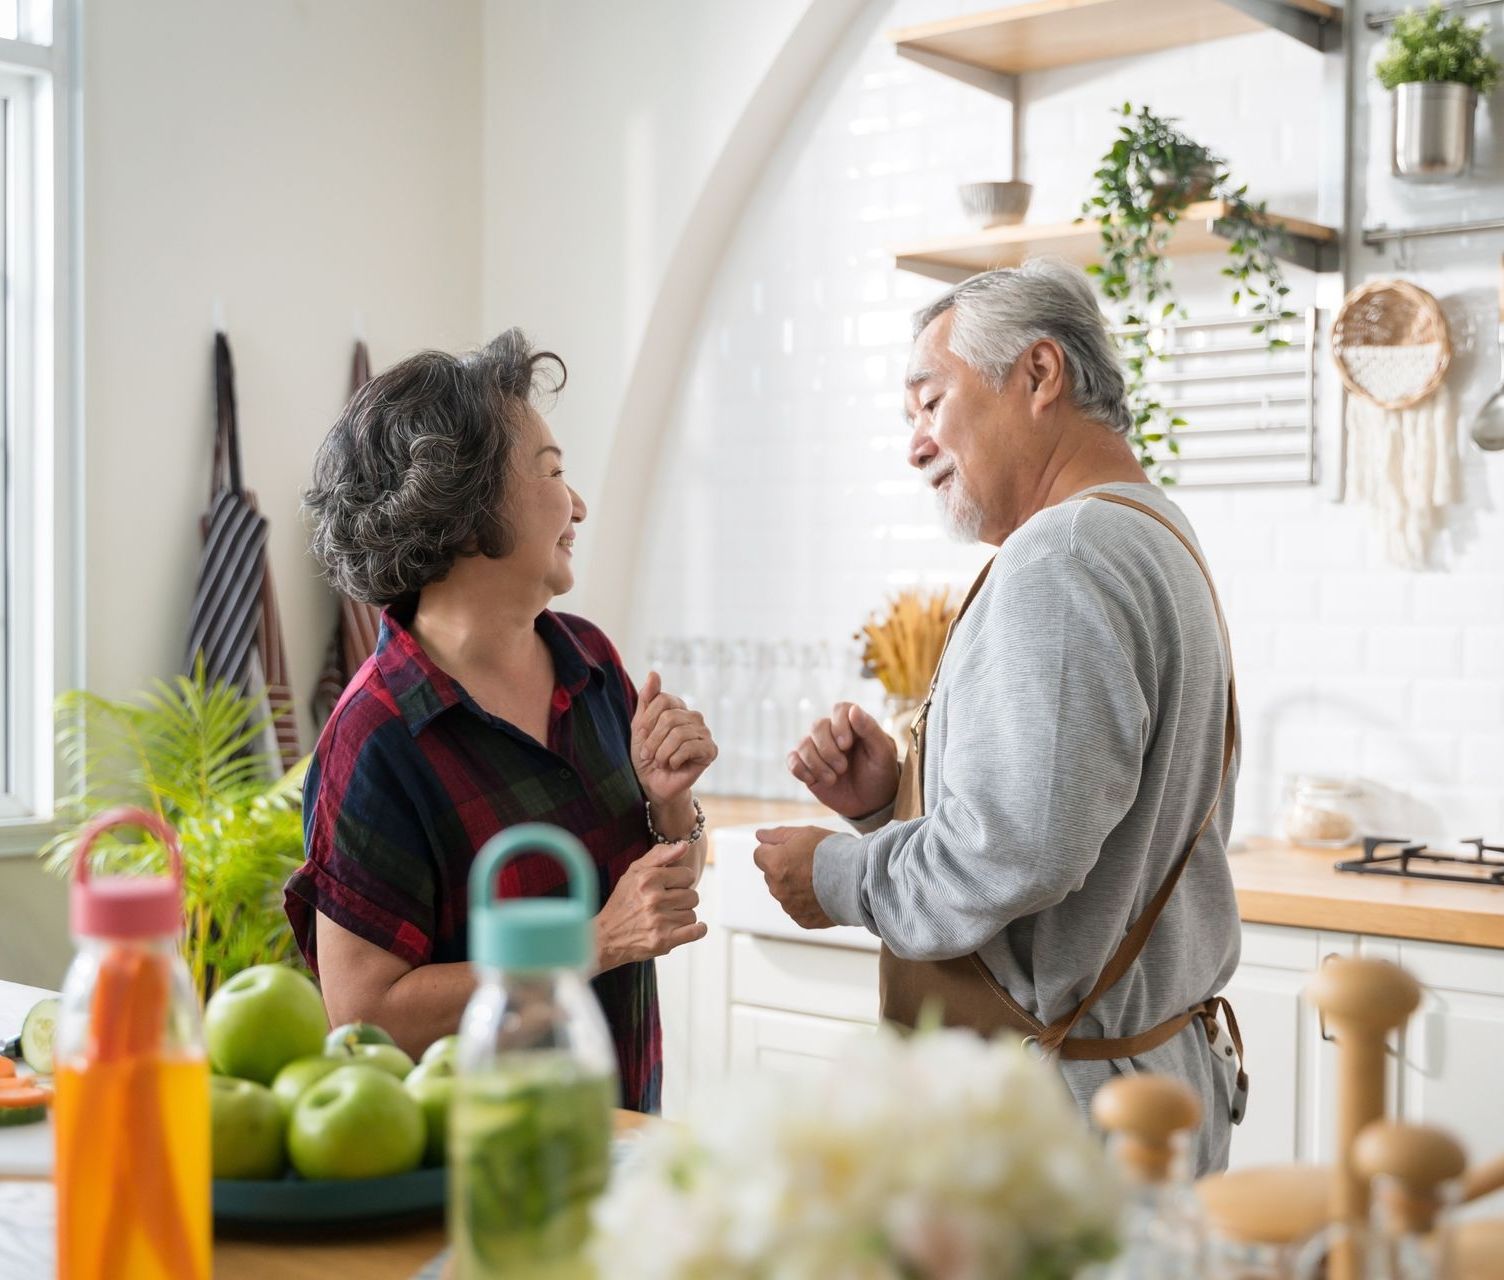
[{"x": 1044, "y": 367}]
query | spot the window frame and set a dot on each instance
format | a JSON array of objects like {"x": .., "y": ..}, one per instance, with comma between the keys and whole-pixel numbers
[{"x": 43, "y": 611}]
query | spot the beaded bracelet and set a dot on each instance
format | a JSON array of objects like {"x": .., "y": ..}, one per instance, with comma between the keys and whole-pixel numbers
[{"x": 690, "y": 838}]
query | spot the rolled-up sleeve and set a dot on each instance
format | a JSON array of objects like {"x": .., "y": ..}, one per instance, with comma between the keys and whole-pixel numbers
[
  {"x": 368, "y": 863},
  {"x": 1045, "y": 726}
]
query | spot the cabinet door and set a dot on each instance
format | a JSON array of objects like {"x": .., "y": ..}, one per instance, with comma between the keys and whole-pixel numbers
[
  {"x": 804, "y": 977},
  {"x": 1449, "y": 1067},
  {"x": 1287, "y": 1062},
  {"x": 692, "y": 997},
  {"x": 791, "y": 1044}
]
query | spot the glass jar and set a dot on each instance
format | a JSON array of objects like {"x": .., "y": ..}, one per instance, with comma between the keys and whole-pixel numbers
[
  {"x": 1323, "y": 812},
  {"x": 530, "y": 1124}
]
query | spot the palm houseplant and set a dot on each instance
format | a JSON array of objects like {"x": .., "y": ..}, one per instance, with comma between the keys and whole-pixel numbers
[
  {"x": 1435, "y": 65},
  {"x": 188, "y": 751},
  {"x": 1148, "y": 178}
]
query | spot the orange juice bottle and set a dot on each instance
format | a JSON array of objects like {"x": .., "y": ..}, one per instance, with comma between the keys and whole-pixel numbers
[{"x": 132, "y": 1079}]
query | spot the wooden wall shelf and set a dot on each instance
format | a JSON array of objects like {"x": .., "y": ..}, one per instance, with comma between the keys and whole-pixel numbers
[
  {"x": 1199, "y": 229},
  {"x": 1064, "y": 33}
]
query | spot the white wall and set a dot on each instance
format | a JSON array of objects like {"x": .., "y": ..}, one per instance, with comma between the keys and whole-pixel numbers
[
  {"x": 297, "y": 162},
  {"x": 620, "y": 141},
  {"x": 782, "y": 507}
]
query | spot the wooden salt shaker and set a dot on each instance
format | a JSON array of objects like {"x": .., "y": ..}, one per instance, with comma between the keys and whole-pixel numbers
[
  {"x": 1362, "y": 1000},
  {"x": 1143, "y": 1113}
]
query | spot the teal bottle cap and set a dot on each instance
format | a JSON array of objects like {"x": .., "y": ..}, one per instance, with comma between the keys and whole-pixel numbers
[{"x": 532, "y": 934}]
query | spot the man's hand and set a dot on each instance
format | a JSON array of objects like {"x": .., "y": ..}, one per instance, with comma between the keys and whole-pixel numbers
[
  {"x": 786, "y": 858},
  {"x": 651, "y": 911},
  {"x": 848, "y": 762},
  {"x": 671, "y": 745}
]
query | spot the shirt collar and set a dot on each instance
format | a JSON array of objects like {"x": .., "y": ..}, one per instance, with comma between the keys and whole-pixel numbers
[{"x": 423, "y": 689}]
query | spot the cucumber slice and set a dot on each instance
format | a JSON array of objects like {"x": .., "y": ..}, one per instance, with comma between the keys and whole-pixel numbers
[
  {"x": 36, "y": 1036},
  {"x": 21, "y": 1115}
]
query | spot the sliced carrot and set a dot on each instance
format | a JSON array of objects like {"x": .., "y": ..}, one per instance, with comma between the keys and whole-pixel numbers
[
  {"x": 103, "y": 1098},
  {"x": 26, "y": 1097},
  {"x": 7, "y": 1069}
]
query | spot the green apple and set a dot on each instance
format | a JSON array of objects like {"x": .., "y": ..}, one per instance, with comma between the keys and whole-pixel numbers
[
  {"x": 386, "y": 1056},
  {"x": 443, "y": 1047},
  {"x": 261, "y": 1019},
  {"x": 298, "y": 1075},
  {"x": 431, "y": 1083},
  {"x": 353, "y": 1033},
  {"x": 246, "y": 1123},
  {"x": 357, "y": 1122}
]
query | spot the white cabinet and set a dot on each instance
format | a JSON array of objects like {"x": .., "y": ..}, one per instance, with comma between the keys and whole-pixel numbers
[
  {"x": 1449, "y": 1063},
  {"x": 1289, "y": 1066},
  {"x": 758, "y": 994},
  {"x": 771, "y": 1040},
  {"x": 804, "y": 977}
]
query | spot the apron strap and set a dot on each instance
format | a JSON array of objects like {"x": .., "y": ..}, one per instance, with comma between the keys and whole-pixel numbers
[
  {"x": 1134, "y": 940},
  {"x": 226, "y": 473},
  {"x": 360, "y": 367}
]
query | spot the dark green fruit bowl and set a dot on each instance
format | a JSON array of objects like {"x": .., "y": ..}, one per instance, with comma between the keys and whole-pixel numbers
[{"x": 295, "y": 1201}]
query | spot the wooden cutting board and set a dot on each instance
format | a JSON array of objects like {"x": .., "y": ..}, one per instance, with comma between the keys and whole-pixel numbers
[{"x": 25, "y": 1152}]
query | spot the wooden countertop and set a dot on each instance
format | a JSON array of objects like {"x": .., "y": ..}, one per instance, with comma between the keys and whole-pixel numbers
[
  {"x": 1276, "y": 883},
  {"x": 370, "y": 1252}
]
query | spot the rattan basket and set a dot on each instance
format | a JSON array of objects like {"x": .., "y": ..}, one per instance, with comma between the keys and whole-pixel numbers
[{"x": 1391, "y": 314}]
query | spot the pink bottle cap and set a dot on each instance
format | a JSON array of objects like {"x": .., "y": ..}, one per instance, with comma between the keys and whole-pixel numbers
[{"x": 126, "y": 906}]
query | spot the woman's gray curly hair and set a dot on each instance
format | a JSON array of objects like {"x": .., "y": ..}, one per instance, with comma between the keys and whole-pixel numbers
[{"x": 413, "y": 474}]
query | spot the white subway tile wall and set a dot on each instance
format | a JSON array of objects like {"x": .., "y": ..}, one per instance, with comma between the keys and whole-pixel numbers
[{"x": 785, "y": 508}]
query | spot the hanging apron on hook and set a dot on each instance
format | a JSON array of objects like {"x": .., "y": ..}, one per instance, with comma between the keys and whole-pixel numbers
[
  {"x": 233, "y": 624},
  {"x": 357, "y": 625}
]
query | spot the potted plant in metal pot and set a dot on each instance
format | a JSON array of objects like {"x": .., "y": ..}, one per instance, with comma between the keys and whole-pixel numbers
[{"x": 1435, "y": 66}]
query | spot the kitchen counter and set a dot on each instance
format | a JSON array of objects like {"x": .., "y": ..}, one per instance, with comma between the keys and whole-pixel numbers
[
  {"x": 1279, "y": 883},
  {"x": 1276, "y": 883}
]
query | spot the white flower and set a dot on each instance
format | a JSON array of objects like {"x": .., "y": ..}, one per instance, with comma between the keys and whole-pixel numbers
[{"x": 941, "y": 1156}]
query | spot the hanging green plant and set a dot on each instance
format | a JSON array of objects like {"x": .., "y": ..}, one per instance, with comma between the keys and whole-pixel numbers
[
  {"x": 1149, "y": 176},
  {"x": 186, "y": 751}
]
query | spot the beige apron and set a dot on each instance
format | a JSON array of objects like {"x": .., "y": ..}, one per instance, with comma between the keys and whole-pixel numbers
[{"x": 964, "y": 990}]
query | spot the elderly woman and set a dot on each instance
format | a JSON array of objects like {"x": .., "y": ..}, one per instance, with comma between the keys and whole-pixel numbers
[{"x": 440, "y": 494}]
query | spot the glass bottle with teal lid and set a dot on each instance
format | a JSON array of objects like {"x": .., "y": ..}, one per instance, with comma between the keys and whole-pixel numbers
[{"x": 530, "y": 1124}]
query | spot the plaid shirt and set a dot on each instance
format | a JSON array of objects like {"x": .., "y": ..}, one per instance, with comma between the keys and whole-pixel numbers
[{"x": 410, "y": 778}]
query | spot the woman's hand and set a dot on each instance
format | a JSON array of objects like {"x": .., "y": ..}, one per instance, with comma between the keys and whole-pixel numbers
[
  {"x": 671, "y": 745},
  {"x": 848, "y": 762},
  {"x": 651, "y": 911}
]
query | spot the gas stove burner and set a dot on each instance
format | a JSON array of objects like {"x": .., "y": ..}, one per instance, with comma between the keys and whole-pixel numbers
[{"x": 1412, "y": 860}]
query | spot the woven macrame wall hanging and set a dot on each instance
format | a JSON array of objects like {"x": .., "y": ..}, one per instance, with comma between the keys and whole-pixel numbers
[{"x": 1392, "y": 348}]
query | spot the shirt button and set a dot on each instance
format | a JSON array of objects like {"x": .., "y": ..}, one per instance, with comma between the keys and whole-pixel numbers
[{"x": 566, "y": 774}]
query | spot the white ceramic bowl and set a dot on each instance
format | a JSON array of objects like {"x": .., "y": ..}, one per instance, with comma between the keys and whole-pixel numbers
[{"x": 995, "y": 204}]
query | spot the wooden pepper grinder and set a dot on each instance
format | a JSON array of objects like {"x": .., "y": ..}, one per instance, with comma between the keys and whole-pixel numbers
[
  {"x": 1362, "y": 1000},
  {"x": 1163, "y": 1232},
  {"x": 1415, "y": 1163}
]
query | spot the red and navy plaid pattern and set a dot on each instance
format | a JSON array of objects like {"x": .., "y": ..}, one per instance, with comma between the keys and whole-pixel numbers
[{"x": 411, "y": 777}]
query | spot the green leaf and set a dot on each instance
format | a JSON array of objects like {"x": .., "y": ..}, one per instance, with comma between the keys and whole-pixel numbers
[{"x": 185, "y": 750}]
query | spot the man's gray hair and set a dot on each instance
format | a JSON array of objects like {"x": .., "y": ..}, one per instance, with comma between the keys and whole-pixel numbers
[{"x": 999, "y": 314}]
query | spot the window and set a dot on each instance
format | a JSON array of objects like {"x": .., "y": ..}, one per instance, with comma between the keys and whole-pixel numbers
[{"x": 38, "y": 402}]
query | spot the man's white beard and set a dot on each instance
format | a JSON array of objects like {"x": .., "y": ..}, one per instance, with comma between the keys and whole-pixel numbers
[{"x": 959, "y": 511}]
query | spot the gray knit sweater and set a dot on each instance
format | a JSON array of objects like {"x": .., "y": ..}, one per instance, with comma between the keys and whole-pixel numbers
[{"x": 1073, "y": 747}]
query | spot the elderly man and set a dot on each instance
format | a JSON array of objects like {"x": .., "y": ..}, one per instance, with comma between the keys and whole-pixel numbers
[{"x": 1052, "y": 857}]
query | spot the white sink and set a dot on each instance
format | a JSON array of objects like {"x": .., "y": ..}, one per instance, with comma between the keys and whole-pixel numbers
[{"x": 746, "y": 904}]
